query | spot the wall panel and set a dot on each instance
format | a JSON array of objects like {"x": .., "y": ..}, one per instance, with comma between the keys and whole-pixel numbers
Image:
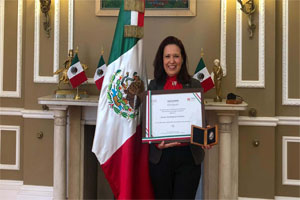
[
  {"x": 11, "y": 29},
  {"x": 293, "y": 160},
  {"x": 283, "y": 163},
  {"x": 10, "y": 147},
  {"x": 255, "y": 48},
  {"x": 43, "y": 50},
  {"x": 286, "y": 50},
  {"x": 286, "y": 104},
  {"x": 10, "y": 46},
  {"x": 12, "y": 128},
  {"x": 294, "y": 53}
]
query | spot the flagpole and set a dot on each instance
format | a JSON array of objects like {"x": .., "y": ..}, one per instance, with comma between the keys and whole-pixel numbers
[{"x": 77, "y": 95}]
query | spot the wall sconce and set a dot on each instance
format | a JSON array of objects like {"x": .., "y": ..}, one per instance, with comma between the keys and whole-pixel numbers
[
  {"x": 45, "y": 7},
  {"x": 248, "y": 8}
]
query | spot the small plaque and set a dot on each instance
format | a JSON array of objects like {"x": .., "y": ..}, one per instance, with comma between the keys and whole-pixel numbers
[{"x": 204, "y": 136}]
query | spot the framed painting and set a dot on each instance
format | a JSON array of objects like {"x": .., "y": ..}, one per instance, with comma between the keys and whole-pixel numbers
[{"x": 153, "y": 7}]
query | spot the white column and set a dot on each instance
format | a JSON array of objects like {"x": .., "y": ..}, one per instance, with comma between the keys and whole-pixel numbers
[
  {"x": 74, "y": 169},
  {"x": 59, "y": 160},
  {"x": 225, "y": 130}
]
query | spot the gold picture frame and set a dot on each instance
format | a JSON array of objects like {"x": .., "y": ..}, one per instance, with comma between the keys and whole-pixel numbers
[{"x": 166, "y": 12}]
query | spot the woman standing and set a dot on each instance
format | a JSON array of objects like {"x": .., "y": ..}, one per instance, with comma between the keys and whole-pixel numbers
[{"x": 175, "y": 168}]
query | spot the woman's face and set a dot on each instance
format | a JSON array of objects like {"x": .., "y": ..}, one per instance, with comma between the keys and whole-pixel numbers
[{"x": 172, "y": 60}]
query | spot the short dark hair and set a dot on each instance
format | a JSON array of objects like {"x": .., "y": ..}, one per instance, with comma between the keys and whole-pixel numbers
[{"x": 159, "y": 72}]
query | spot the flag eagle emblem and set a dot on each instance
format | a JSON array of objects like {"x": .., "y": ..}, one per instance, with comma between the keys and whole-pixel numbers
[
  {"x": 124, "y": 94},
  {"x": 99, "y": 72},
  {"x": 74, "y": 70},
  {"x": 200, "y": 76}
]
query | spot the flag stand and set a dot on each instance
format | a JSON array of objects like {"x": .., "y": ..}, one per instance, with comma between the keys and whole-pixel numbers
[{"x": 77, "y": 95}]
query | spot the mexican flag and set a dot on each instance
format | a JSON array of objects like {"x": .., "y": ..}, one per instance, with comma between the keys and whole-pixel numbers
[
  {"x": 100, "y": 72},
  {"x": 117, "y": 141},
  {"x": 76, "y": 73},
  {"x": 203, "y": 76}
]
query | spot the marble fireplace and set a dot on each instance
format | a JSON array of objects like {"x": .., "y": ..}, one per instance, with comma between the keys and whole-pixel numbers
[{"x": 74, "y": 122}]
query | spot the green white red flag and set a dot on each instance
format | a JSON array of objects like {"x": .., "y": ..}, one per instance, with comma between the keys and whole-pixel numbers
[
  {"x": 117, "y": 141},
  {"x": 202, "y": 74},
  {"x": 100, "y": 72},
  {"x": 76, "y": 73}
]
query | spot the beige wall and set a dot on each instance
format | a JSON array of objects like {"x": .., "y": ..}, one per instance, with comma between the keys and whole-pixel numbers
[
  {"x": 38, "y": 156},
  {"x": 257, "y": 164},
  {"x": 260, "y": 169}
]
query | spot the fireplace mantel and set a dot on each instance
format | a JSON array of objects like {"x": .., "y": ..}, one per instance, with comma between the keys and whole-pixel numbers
[{"x": 220, "y": 165}]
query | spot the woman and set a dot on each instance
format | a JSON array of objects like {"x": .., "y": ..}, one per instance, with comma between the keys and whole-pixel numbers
[{"x": 175, "y": 168}]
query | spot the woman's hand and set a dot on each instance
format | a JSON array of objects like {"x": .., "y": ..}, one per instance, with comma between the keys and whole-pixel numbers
[
  {"x": 206, "y": 146},
  {"x": 162, "y": 145}
]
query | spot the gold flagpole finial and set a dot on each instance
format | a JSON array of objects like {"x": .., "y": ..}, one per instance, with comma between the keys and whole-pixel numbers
[
  {"x": 77, "y": 49},
  {"x": 102, "y": 51},
  {"x": 202, "y": 52}
]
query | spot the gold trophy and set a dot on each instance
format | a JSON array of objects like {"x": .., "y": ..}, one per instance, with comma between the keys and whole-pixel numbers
[
  {"x": 218, "y": 75},
  {"x": 64, "y": 91}
]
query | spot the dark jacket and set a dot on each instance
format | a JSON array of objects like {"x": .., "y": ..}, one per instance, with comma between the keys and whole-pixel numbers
[{"x": 197, "y": 151}]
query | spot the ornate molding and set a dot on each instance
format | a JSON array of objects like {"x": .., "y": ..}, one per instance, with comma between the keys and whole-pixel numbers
[
  {"x": 56, "y": 37},
  {"x": 285, "y": 179},
  {"x": 285, "y": 56},
  {"x": 2, "y": 14},
  {"x": 17, "y": 92},
  {"x": 70, "y": 24},
  {"x": 89, "y": 115},
  {"x": 36, "y": 76},
  {"x": 268, "y": 121},
  {"x": 223, "y": 36},
  {"x": 25, "y": 113},
  {"x": 292, "y": 121},
  {"x": 257, "y": 121},
  {"x": 260, "y": 83},
  {"x": 15, "y": 166}
]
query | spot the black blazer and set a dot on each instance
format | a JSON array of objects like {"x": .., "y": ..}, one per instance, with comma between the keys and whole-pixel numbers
[{"x": 154, "y": 152}]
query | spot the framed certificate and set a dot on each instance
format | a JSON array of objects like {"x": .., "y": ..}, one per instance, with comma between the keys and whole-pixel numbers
[{"x": 170, "y": 114}]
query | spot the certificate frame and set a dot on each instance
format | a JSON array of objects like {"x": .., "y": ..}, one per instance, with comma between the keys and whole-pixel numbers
[
  {"x": 165, "y": 11},
  {"x": 150, "y": 128}
]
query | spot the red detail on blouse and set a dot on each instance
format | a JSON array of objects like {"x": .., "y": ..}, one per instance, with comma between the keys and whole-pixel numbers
[{"x": 172, "y": 84}]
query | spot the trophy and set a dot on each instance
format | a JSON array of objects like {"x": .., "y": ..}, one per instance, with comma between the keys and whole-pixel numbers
[{"x": 218, "y": 75}]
